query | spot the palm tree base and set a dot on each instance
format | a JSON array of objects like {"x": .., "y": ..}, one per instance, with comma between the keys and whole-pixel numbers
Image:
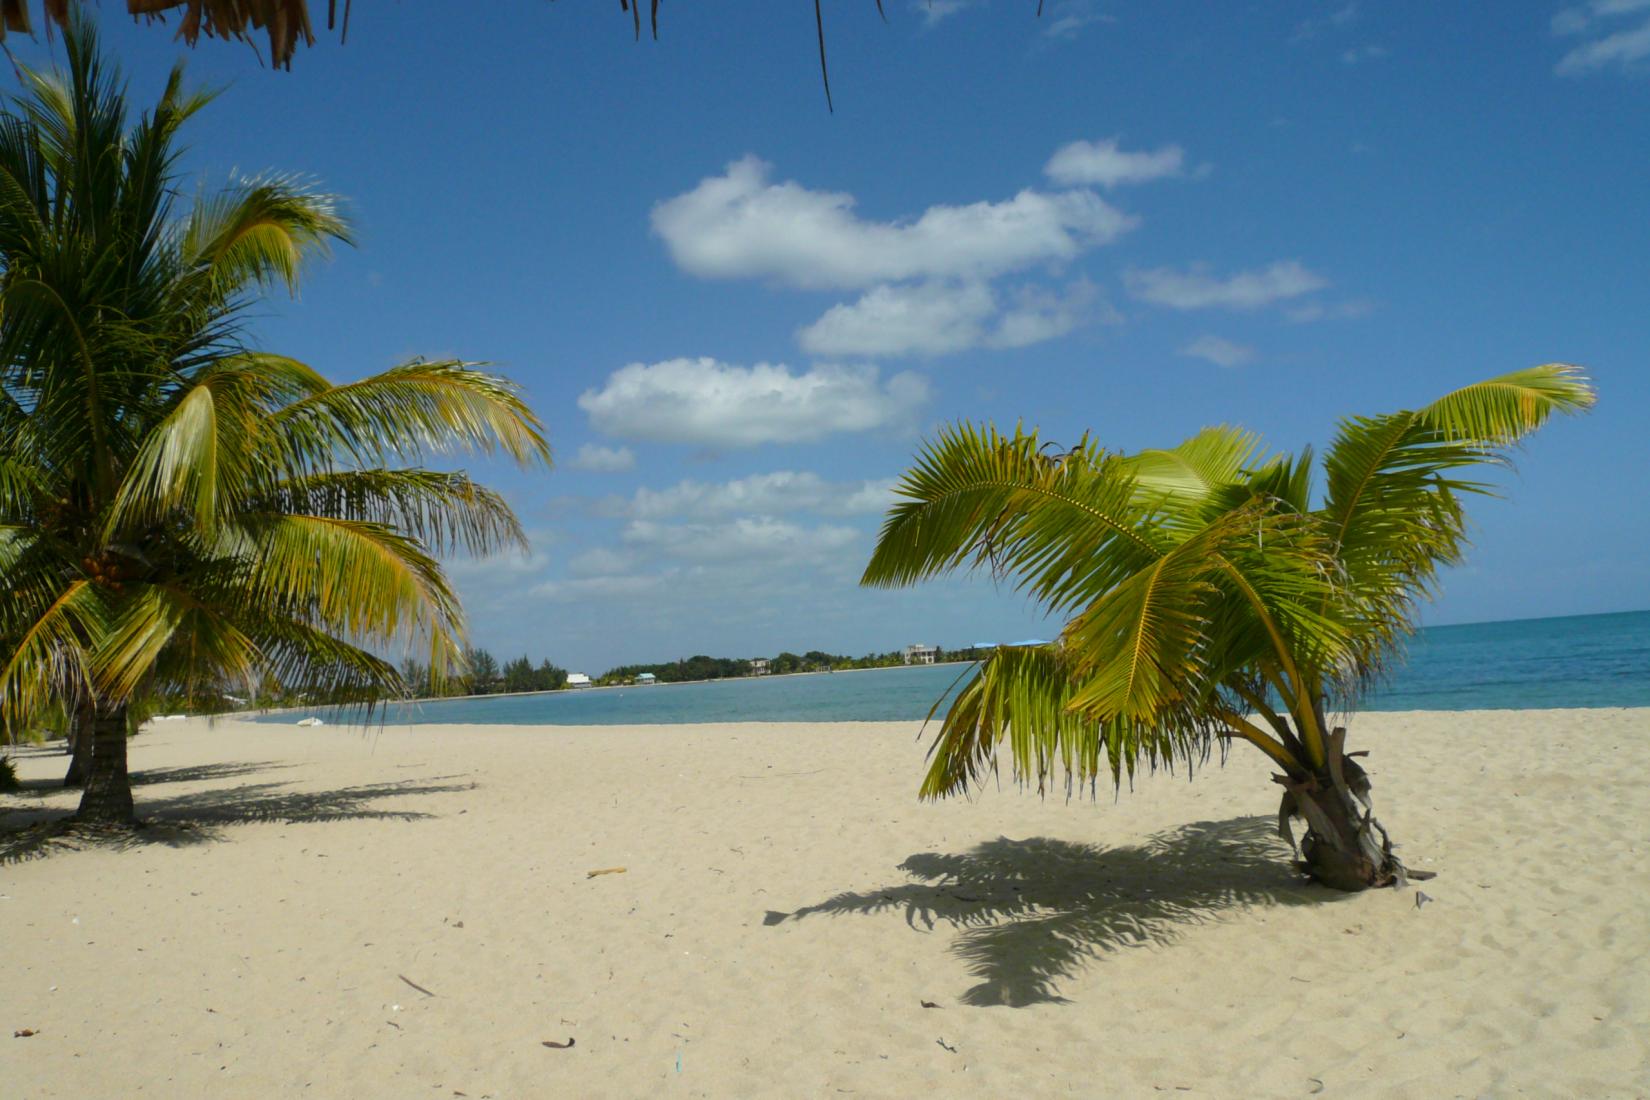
[
  {"x": 1344, "y": 847},
  {"x": 80, "y": 746},
  {"x": 108, "y": 796}
]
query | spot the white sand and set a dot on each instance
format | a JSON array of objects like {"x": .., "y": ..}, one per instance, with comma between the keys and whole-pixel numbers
[{"x": 1158, "y": 944}]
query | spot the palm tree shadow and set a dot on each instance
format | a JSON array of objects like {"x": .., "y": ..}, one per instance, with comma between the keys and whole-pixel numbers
[
  {"x": 200, "y": 817},
  {"x": 198, "y": 773},
  {"x": 1032, "y": 912}
]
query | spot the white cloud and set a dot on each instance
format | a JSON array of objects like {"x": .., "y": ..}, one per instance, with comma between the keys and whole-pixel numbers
[
  {"x": 1039, "y": 314},
  {"x": 1336, "y": 311},
  {"x": 604, "y": 460},
  {"x": 1103, "y": 164},
  {"x": 935, "y": 318},
  {"x": 742, "y": 225},
  {"x": 1197, "y": 289},
  {"x": 1067, "y": 18},
  {"x": 721, "y": 405},
  {"x": 934, "y": 12},
  {"x": 1577, "y": 19},
  {"x": 770, "y": 494},
  {"x": 1359, "y": 54},
  {"x": 761, "y": 538},
  {"x": 600, "y": 561},
  {"x": 1609, "y": 43},
  {"x": 1222, "y": 353},
  {"x": 928, "y": 318},
  {"x": 1335, "y": 19},
  {"x": 601, "y": 588}
]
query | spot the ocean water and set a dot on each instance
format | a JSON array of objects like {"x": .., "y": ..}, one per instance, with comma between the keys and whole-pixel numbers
[{"x": 1578, "y": 661}]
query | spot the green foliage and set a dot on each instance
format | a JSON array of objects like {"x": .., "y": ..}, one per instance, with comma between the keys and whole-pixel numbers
[
  {"x": 181, "y": 514},
  {"x": 520, "y": 675},
  {"x": 784, "y": 664},
  {"x": 697, "y": 667},
  {"x": 1204, "y": 584},
  {"x": 8, "y": 774}
]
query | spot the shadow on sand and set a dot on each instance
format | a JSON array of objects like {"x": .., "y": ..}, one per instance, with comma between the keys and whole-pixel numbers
[
  {"x": 198, "y": 817},
  {"x": 197, "y": 773},
  {"x": 1031, "y": 912}
]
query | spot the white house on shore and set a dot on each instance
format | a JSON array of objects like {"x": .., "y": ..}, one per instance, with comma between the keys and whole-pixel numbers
[
  {"x": 577, "y": 680},
  {"x": 759, "y": 666},
  {"x": 920, "y": 654},
  {"x": 647, "y": 678}
]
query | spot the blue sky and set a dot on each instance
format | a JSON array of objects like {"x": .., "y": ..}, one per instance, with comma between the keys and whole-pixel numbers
[{"x": 738, "y": 313}]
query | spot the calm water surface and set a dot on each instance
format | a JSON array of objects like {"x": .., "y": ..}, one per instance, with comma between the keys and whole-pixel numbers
[{"x": 1580, "y": 661}]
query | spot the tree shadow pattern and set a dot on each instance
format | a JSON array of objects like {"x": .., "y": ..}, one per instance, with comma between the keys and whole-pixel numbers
[
  {"x": 199, "y": 817},
  {"x": 1032, "y": 912}
]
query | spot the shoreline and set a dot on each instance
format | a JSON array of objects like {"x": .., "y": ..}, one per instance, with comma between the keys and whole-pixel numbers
[{"x": 252, "y": 715}]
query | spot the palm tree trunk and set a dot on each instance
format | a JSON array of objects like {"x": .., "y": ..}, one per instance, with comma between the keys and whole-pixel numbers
[
  {"x": 1344, "y": 848},
  {"x": 80, "y": 744},
  {"x": 108, "y": 796}
]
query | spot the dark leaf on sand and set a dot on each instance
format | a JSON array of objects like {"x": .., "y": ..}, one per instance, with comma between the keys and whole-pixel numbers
[{"x": 558, "y": 1046}]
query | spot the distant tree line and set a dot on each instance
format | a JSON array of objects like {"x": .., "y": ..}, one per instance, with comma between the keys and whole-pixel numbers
[
  {"x": 484, "y": 676},
  {"x": 701, "y": 667}
]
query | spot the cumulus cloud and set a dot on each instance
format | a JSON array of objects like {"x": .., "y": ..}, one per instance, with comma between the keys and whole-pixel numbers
[
  {"x": 777, "y": 493},
  {"x": 1103, "y": 164},
  {"x": 928, "y": 318},
  {"x": 747, "y": 537},
  {"x": 934, "y": 318},
  {"x": 601, "y": 588},
  {"x": 1611, "y": 38},
  {"x": 1037, "y": 314},
  {"x": 718, "y": 404},
  {"x": 604, "y": 460},
  {"x": 1222, "y": 353},
  {"x": 741, "y": 224},
  {"x": 1196, "y": 288}
]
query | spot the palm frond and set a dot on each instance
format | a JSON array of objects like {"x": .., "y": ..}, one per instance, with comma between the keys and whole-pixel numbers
[
  {"x": 153, "y": 618},
  {"x": 1022, "y": 699},
  {"x": 1066, "y": 527},
  {"x": 261, "y": 232},
  {"x": 358, "y": 580},
  {"x": 1498, "y": 412},
  {"x": 444, "y": 511},
  {"x": 410, "y": 411},
  {"x": 51, "y": 652},
  {"x": 1199, "y": 466}
]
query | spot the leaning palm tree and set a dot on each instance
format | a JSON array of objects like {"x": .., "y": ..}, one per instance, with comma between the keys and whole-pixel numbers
[
  {"x": 180, "y": 512},
  {"x": 1214, "y": 595}
]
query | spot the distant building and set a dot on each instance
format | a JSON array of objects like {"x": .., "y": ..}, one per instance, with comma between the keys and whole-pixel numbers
[
  {"x": 920, "y": 654},
  {"x": 577, "y": 680},
  {"x": 759, "y": 666},
  {"x": 647, "y": 678}
]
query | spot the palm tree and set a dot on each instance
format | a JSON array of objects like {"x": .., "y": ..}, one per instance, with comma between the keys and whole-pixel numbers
[
  {"x": 179, "y": 512},
  {"x": 1212, "y": 594},
  {"x": 286, "y": 23}
]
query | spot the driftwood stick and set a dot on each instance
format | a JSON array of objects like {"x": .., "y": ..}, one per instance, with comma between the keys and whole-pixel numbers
[{"x": 415, "y": 985}]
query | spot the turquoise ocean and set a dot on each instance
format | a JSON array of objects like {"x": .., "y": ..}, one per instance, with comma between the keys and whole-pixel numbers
[{"x": 1577, "y": 661}]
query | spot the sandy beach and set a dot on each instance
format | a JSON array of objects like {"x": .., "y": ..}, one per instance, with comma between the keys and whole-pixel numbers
[{"x": 408, "y": 912}]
